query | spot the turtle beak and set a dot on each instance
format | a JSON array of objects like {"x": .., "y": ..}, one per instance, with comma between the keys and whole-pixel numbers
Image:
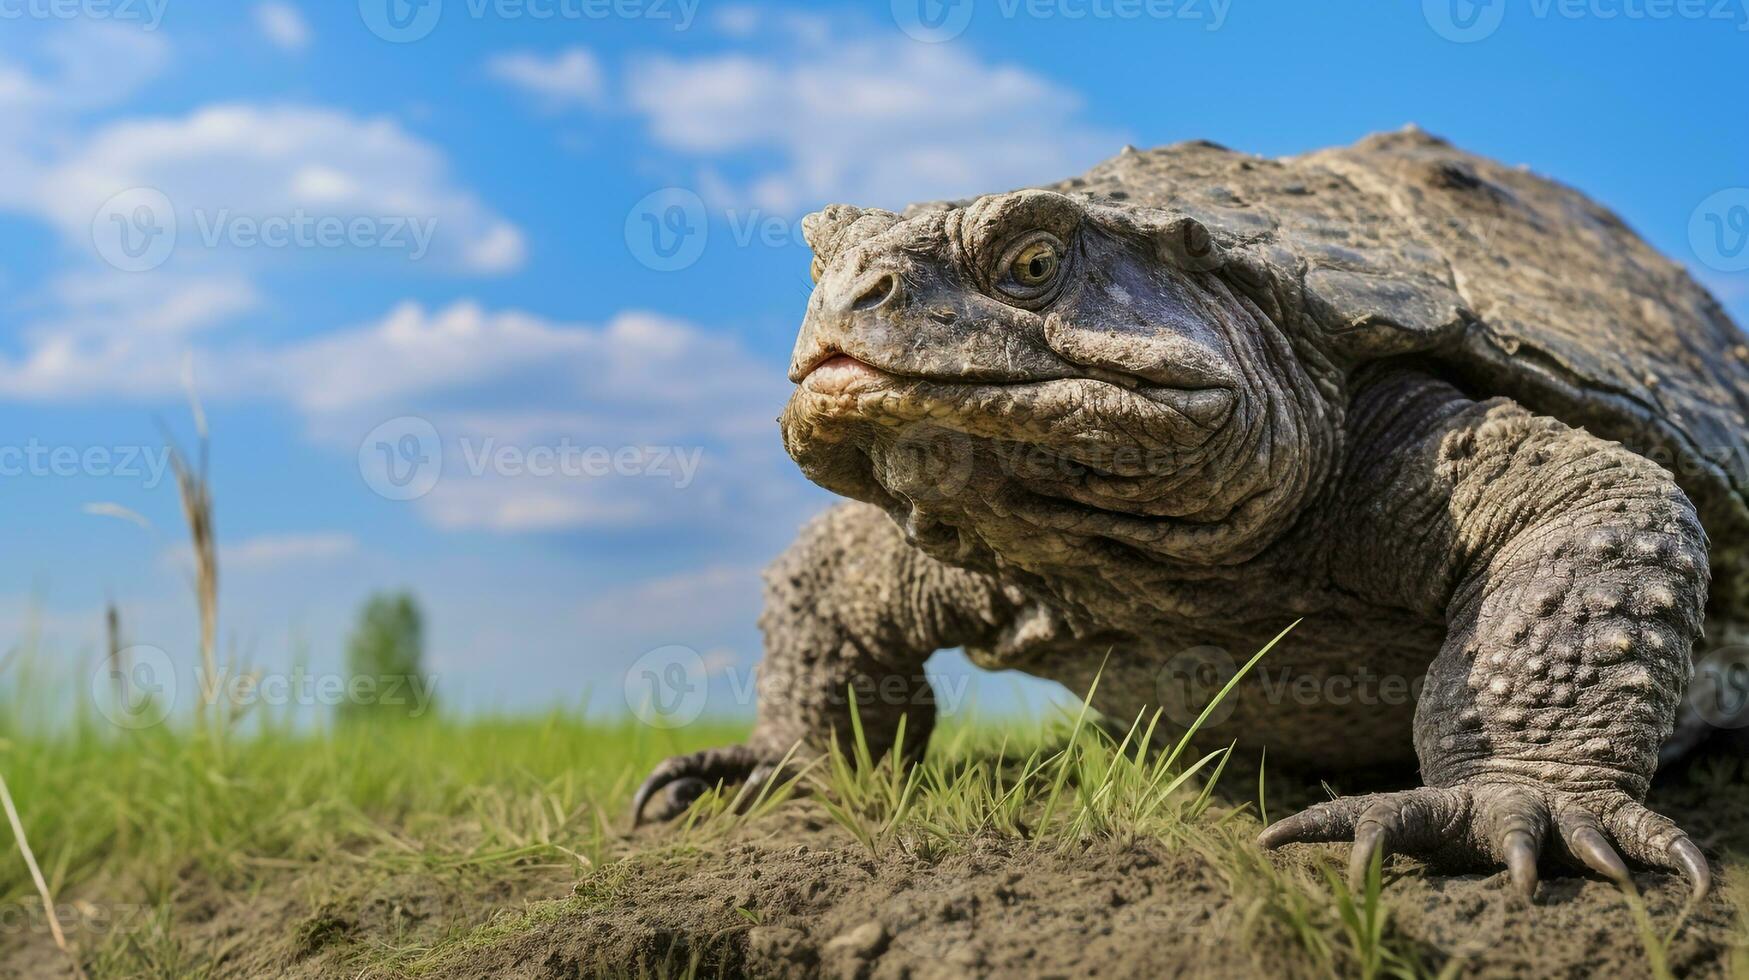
[{"x": 850, "y": 305}]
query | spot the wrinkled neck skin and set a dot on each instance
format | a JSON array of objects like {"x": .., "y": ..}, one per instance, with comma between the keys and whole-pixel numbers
[{"x": 1063, "y": 487}]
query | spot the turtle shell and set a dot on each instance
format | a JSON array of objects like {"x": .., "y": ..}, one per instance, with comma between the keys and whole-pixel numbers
[{"x": 1520, "y": 286}]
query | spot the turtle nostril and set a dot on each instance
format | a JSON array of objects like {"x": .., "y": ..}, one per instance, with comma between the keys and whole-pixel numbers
[{"x": 876, "y": 292}]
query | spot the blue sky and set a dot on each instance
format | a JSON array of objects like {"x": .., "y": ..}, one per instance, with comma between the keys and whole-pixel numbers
[{"x": 438, "y": 245}]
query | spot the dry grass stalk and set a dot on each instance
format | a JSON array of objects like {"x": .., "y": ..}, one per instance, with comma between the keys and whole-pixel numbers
[
  {"x": 36, "y": 874},
  {"x": 197, "y": 510},
  {"x": 118, "y": 665}
]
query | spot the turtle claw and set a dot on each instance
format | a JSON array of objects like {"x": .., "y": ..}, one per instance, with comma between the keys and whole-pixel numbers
[
  {"x": 682, "y": 779},
  {"x": 1521, "y": 854},
  {"x": 1494, "y": 823}
]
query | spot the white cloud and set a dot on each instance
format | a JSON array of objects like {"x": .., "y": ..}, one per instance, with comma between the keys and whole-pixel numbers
[
  {"x": 225, "y": 163},
  {"x": 745, "y": 22},
  {"x": 283, "y": 25},
  {"x": 865, "y": 121},
  {"x": 694, "y": 406},
  {"x": 269, "y": 552},
  {"x": 494, "y": 504},
  {"x": 78, "y": 67},
  {"x": 500, "y": 248},
  {"x": 635, "y": 361},
  {"x": 94, "y": 330},
  {"x": 114, "y": 335},
  {"x": 109, "y": 302},
  {"x": 568, "y": 79}
]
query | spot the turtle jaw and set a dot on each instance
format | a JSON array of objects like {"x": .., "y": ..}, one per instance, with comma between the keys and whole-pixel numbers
[{"x": 952, "y": 446}]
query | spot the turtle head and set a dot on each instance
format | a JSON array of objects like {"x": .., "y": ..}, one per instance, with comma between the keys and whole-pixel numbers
[{"x": 1032, "y": 364}]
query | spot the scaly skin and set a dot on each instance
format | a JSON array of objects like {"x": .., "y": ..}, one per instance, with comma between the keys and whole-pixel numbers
[
  {"x": 849, "y": 605},
  {"x": 1076, "y": 428},
  {"x": 1571, "y": 576}
]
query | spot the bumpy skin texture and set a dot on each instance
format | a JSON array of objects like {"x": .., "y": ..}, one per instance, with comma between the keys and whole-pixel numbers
[{"x": 1165, "y": 409}]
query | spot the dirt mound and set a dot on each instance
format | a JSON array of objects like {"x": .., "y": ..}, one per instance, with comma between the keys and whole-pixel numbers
[
  {"x": 806, "y": 903},
  {"x": 791, "y": 894}
]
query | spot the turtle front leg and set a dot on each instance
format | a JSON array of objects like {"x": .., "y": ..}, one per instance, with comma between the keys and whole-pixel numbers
[
  {"x": 1575, "y": 581},
  {"x": 849, "y": 606}
]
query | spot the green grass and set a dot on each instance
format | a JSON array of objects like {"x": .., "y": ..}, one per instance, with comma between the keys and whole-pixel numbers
[
  {"x": 138, "y": 813},
  {"x": 151, "y": 804},
  {"x": 136, "y": 816}
]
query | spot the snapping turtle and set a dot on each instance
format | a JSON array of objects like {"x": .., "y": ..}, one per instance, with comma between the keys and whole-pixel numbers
[{"x": 1454, "y": 418}]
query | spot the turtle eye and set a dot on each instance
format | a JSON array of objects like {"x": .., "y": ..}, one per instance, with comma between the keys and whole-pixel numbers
[
  {"x": 1031, "y": 268},
  {"x": 1036, "y": 265},
  {"x": 815, "y": 268}
]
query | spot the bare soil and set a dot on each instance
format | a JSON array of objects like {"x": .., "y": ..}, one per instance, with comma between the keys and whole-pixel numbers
[{"x": 794, "y": 896}]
